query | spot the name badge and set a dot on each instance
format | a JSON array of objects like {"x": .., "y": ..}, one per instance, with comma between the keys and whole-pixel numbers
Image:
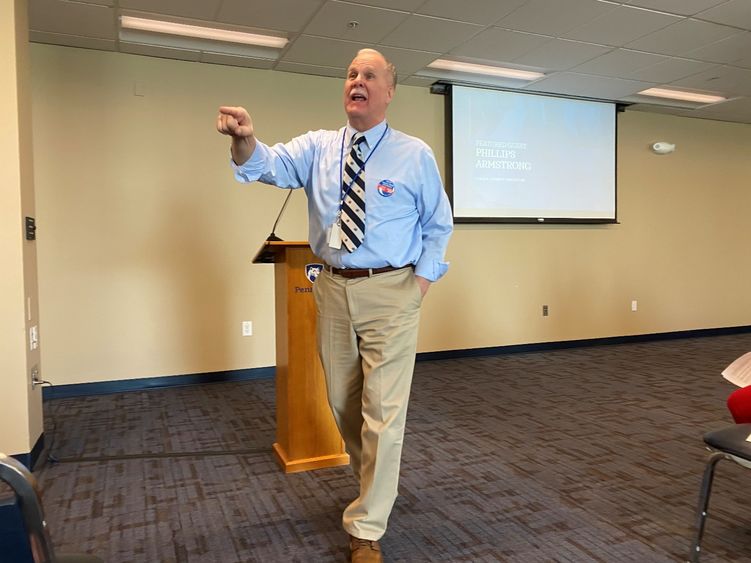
[{"x": 335, "y": 236}]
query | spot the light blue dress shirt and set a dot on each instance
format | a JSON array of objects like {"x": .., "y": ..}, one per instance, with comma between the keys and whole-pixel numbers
[{"x": 407, "y": 214}]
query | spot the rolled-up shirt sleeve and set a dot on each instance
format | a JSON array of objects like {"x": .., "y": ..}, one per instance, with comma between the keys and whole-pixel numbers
[{"x": 435, "y": 219}]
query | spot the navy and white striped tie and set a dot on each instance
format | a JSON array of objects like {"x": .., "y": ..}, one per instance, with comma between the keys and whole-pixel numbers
[{"x": 353, "y": 205}]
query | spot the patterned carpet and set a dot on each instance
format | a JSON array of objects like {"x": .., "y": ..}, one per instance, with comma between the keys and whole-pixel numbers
[{"x": 587, "y": 454}]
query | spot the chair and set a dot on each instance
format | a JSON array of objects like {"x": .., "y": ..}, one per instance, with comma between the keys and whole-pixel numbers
[
  {"x": 727, "y": 443},
  {"x": 732, "y": 443},
  {"x": 29, "y": 502}
]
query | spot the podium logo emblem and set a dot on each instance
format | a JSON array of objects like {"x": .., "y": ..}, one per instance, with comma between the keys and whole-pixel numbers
[{"x": 312, "y": 271}]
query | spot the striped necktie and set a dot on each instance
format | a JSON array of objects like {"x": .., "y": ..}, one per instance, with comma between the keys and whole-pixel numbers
[{"x": 353, "y": 205}]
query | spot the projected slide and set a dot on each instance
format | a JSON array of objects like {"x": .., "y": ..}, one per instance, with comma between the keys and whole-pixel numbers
[{"x": 524, "y": 156}]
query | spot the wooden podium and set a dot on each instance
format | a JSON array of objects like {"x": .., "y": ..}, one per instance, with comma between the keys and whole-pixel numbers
[{"x": 306, "y": 434}]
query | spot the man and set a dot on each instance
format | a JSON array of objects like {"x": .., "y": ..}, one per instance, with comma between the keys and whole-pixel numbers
[{"x": 380, "y": 220}]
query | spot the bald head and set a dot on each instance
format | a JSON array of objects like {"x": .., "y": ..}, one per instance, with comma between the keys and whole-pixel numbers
[{"x": 390, "y": 68}]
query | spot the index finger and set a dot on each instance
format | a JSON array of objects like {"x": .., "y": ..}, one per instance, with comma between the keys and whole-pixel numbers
[{"x": 233, "y": 111}]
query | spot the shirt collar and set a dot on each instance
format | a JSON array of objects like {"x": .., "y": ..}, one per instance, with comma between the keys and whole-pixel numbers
[{"x": 371, "y": 135}]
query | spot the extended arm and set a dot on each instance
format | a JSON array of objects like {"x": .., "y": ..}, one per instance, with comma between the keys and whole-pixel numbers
[{"x": 286, "y": 165}]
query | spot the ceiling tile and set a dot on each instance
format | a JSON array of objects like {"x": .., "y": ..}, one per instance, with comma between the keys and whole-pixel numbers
[
  {"x": 734, "y": 50},
  {"x": 620, "y": 26},
  {"x": 553, "y": 17},
  {"x": 700, "y": 45},
  {"x": 285, "y": 15},
  {"x": 659, "y": 108},
  {"x": 192, "y": 21},
  {"x": 331, "y": 72},
  {"x": 669, "y": 70},
  {"x": 407, "y": 61},
  {"x": 421, "y": 81},
  {"x": 233, "y": 60},
  {"x": 654, "y": 101},
  {"x": 72, "y": 41},
  {"x": 473, "y": 11},
  {"x": 69, "y": 18},
  {"x": 199, "y": 9},
  {"x": 468, "y": 78},
  {"x": 180, "y": 42},
  {"x": 725, "y": 80},
  {"x": 736, "y": 13},
  {"x": 619, "y": 63},
  {"x": 683, "y": 7},
  {"x": 500, "y": 44},
  {"x": 374, "y": 23},
  {"x": 585, "y": 85},
  {"x": 404, "y": 5},
  {"x": 561, "y": 54},
  {"x": 161, "y": 52},
  {"x": 682, "y": 37},
  {"x": 430, "y": 34},
  {"x": 738, "y": 110},
  {"x": 321, "y": 51}
]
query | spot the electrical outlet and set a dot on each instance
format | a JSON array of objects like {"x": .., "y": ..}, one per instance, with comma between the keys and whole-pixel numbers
[
  {"x": 247, "y": 328},
  {"x": 634, "y": 305},
  {"x": 544, "y": 310}
]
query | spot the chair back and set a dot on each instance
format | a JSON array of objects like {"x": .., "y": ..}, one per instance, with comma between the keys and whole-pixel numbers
[{"x": 25, "y": 487}]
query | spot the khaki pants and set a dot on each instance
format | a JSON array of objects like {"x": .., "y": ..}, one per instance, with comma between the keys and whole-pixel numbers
[{"x": 367, "y": 339}]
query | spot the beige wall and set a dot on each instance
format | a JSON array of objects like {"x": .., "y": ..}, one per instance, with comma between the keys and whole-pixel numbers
[
  {"x": 146, "y": 239},
  {"x": 680, "y": 250},
  {"x": 20, "y": 406}
]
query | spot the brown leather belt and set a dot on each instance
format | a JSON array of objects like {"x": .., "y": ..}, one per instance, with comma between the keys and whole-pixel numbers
[{"x": 362, "y": 272}]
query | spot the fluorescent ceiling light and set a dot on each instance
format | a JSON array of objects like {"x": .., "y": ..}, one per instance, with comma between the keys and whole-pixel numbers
[
  {"x": 680, "y": 95},
  {"x": 210, "y": 33},
  {"x": 471, "y": 68}
]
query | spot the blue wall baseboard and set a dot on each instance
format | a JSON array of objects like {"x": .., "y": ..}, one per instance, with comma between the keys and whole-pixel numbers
[
  {"x": 564, "y": 344},
  {"x": 143, "y": 384},
  {"x": 146, "y": 383}
]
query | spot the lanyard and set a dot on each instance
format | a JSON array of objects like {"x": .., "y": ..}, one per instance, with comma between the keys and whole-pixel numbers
[{"x": 344, "y": 190}]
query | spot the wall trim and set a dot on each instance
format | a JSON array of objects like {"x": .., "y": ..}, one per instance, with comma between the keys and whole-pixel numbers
[
  {"x": 146, "y": 383},
  {"x": 564, "y": 344}
]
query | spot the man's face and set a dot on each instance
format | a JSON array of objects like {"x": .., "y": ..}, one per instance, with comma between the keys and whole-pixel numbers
[{"x": 367, "y": 91}]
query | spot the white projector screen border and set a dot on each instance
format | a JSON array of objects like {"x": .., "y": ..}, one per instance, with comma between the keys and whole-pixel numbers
[{"x": 503, "y": 157}]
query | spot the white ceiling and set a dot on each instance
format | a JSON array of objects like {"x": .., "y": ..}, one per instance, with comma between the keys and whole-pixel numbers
[{"x": 593, "y": 48}]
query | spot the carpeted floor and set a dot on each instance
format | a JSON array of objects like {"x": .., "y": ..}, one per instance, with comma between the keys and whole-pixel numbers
[{"x": 587, "y": 454}]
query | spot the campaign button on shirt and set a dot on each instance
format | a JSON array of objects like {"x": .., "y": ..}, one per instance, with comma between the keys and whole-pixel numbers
[{"x": 386, "y": 188}]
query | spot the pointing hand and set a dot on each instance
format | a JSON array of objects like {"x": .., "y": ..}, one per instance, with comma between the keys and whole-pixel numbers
[{"x": 234, "y": 121}]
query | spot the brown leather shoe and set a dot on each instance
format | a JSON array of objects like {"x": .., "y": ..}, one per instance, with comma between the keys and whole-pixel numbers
[{"x": 364, "y": 551}]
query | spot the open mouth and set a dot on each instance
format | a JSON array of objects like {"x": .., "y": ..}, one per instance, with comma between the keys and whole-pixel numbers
[{"x": 357, "y": 97}]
